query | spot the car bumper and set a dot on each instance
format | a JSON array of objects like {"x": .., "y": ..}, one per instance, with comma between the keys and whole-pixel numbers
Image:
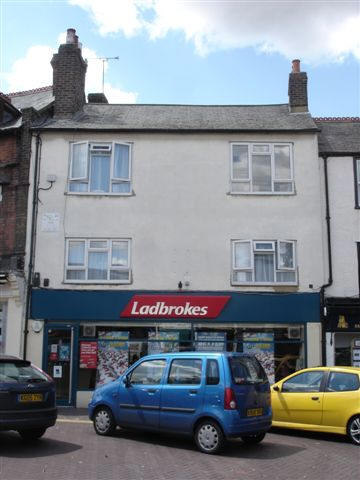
[
  {"x": 248, "y": 426},
  {"x": 24, "y": 419}
]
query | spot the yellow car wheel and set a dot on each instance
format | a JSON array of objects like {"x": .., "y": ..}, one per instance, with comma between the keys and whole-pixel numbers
[{"x": 353, "y": 429}]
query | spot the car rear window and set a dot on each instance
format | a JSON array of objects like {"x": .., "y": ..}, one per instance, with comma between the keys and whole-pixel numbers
[
  {"x": 17, "y": 372},
  {"x": 246, "y": 370}
]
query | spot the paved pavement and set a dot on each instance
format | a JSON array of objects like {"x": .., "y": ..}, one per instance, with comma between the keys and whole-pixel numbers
[{"x": 72, "y": 451}]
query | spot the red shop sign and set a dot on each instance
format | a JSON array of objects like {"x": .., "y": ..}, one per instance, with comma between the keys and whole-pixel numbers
[
  {"x": 175, "y": 306},
  {"x": 88, "y": 354}
]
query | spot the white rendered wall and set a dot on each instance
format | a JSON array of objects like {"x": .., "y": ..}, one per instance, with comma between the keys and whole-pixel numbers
[
  {"x": 313, "y": 344},
  {"x": 181, "y": 218},
  {"x": 345, "y": 227}
]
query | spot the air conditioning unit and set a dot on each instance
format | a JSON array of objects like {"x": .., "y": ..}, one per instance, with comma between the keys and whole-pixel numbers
[
  {"x": 294, "y": 333},
  {"x": 89, "y": 330}
]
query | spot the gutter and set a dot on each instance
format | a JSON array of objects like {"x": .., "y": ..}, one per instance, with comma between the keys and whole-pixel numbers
[
  {"x": 32, "y": 241},
  {"x": 329, "y": 248}
]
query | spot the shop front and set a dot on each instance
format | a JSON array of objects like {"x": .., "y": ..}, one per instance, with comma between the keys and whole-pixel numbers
[
  {"x": 343, "y": 331},
  {"x": 89, "y": 338}
]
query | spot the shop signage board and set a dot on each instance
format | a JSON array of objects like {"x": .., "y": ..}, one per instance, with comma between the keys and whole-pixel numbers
[
  {"x": 210, "y": 341},
  {"x": 88, "y": 355},
  {"x": 113, "y": 348},
  {"x": 262, "y": 346},
  {"x": 163, "y": 342},
  {"x": 175, "y": 306}
]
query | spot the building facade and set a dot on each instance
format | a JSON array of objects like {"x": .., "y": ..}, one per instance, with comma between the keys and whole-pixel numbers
[
  {"x": 339, "y": 147},
  {"x": 173, "y": 227},
  {"x": 17, "y": 113}
]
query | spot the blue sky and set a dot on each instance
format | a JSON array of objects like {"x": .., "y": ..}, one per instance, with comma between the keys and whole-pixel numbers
[{"x": 192, "y": 51}]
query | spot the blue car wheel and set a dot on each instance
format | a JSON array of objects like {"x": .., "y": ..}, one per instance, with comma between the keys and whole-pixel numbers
[{"x": 104, "y": 423}]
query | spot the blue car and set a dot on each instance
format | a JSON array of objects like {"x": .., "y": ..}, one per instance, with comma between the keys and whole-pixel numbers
[{"x": 211, "y": 396}]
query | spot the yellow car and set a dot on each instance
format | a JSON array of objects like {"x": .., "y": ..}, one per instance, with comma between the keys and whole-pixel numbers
[{"x": 322, "y": 399}]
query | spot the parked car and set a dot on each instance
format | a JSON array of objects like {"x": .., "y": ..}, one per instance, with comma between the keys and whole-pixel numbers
[
  {"x": 322, "y": 399},
  {"x": 211, "y": 396},
  {"x": 27, "y": 398}
]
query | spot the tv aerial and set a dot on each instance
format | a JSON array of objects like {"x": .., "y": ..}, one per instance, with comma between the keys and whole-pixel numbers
[{"x": 104, "y": 60}]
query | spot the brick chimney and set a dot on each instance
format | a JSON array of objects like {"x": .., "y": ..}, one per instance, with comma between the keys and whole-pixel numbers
[
  {"x": 69, "y": 70},
  {"x": 298, "y": 99}
]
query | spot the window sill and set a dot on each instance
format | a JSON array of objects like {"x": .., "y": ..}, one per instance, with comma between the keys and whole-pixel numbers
[
  {"x": 100, "y": 194},
  {"x": 282, "y": 194},
  {"x": 95, "y": 282},
  {"x": 264, "y": 284}
]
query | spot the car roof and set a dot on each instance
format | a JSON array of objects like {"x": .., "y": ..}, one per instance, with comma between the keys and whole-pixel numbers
[
  {"x": 11, "y": 358},
  {"x": 337, "y": 368},
  {"x": 197, "y": 354}
]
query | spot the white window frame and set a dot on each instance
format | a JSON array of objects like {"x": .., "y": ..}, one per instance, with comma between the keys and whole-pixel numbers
[
  {"x": 249, "y": 179},
  {"x": 93, "y": 147},
  {"x": 357, "y": 181},
  {"x": 276, "y": 254},
  {"x": 85, "y": 266}
]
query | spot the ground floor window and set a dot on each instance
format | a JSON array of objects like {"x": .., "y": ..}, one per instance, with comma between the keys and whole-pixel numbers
[
  {"x": 347, "y": 348},
  {"x": 106, "y": 351}
]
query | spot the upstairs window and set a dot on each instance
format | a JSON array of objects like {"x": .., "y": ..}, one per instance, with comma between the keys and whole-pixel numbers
[
  {"x": 357, "y": 182},
  {"x": 100, "y": 168},
  {"x": 263, "y": 262},
  {"x": 262, "y": 168},
  {"x": 97, "y": 261}
]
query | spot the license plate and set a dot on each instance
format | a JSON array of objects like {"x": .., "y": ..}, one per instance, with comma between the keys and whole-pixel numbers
[
  {"x": 31, "y": 397},
  {"x": 254, "y": 412}
]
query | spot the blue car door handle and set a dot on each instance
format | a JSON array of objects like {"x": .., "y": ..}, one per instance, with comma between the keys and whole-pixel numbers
[
  {"x": 151, "y": 390},
  {"x": 193, "y": 392}
]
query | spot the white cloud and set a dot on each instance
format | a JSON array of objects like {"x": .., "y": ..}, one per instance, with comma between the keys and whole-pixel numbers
[
  {"x": 34, "y": 70},
  {"x": 315, "y": 30}
]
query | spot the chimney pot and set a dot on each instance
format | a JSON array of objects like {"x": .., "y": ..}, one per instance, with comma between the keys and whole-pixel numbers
[
  {"x": 296, "y": 66},
  {"x": 70, "y": 35}
]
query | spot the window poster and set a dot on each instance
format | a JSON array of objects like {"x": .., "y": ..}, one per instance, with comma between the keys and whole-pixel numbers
[
  {"x": 88, "y": 355},
  {"x": 64, "y": 352},
  {"x": 113, "y": 355},
  {"x": 163, "y": 342},
  {"x": 210, "y": 341},
  {"x": 262, "y": 346}
]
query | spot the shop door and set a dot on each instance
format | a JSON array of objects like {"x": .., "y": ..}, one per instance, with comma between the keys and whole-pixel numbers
[{"x": 60, "y": 351}]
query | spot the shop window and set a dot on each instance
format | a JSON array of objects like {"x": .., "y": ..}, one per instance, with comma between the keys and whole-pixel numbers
[
  {"x": 304, "y": 382},
  {"x": 264, "y": 262},
  {"x": 105, "y": 351},
  {"x": 343, "y": 382},
  {"x": 98, "y": 261},
  {"x": 212, "y": 372},
  {"x": 100, "y": 168},
  {"x": 149, "y": 372},
  {"x": 185, "y": 372},
  {"x": 262, "y": 168}
]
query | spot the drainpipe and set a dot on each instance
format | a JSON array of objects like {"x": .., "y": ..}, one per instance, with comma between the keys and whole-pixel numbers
[
  {"x": 330, "y": 279},
  {"x": 32, "y": 241}
]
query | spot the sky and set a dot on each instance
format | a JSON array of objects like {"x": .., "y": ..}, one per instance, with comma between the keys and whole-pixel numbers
[{"x": 219, "y": 52}]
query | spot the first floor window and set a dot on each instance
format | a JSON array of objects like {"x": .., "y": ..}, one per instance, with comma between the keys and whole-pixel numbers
[
  {"x": 263, "y": 262},
  {"x": 263, "y": 168},
  {"x": 100, "y": 168},
  {"x": 98, "y": 260},
  {"x": 357, "y": 181}
]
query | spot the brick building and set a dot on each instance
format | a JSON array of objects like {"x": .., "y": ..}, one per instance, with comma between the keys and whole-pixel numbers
[{"x": 18, "y": 112}]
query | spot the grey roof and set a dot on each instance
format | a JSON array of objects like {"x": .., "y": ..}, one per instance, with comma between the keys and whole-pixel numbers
[
  {"x": 185, "y": 118},
  {"x": 37, "y": 99},
  {"x": 339, "y": 135}
]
